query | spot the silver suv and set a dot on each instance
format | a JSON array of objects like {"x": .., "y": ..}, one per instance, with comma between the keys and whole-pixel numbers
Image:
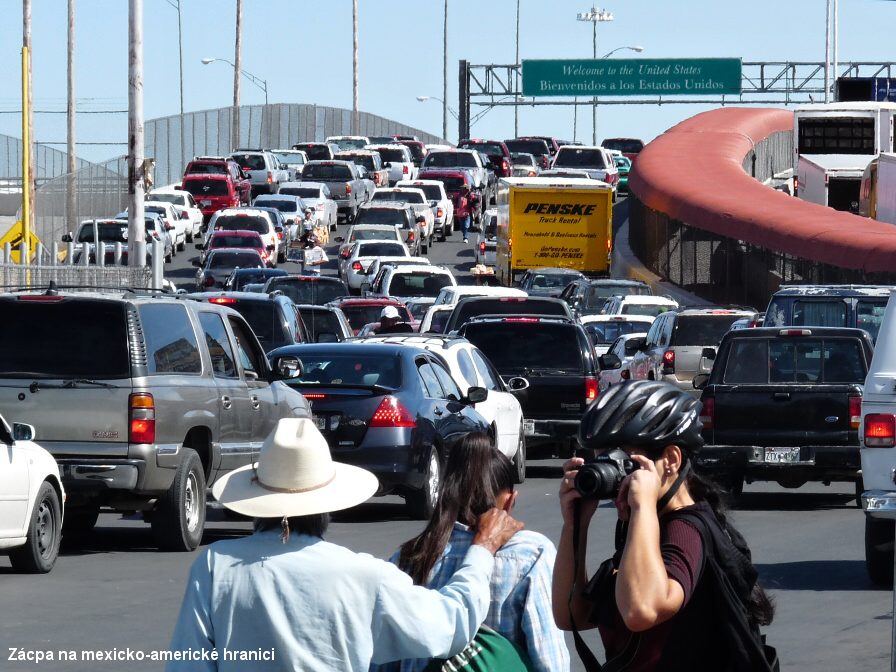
[
  {"x": 144, "y": 400},
  {"x": 265, "y": 171},
  {"x": 676, "y": 340}
]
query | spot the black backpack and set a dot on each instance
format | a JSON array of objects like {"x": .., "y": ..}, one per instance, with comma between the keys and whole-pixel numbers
[{"x": 730, "y": 578}]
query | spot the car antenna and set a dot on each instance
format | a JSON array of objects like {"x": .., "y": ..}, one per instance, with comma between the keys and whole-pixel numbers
[{"x": 51, "y": 289}]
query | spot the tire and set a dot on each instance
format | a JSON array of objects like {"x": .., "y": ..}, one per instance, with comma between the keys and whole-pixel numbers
[
  {"x": 879, "y": 551},
  {"x": 519, "y": 459},
  {"x": 182, "y": 245},
  {"x": 281, "y": 257},
  {"x": 190, "y": 236},
  {"x": 421, "y": 503},
  {"x": 424, "y": 248},
  {"x": 41, "y": 548},
  {"x": 79, "y": 521},
  {"x": 860, "y": 488},
  {"x": 169, "y": 257},
  {"x": 179, "y": 518}
]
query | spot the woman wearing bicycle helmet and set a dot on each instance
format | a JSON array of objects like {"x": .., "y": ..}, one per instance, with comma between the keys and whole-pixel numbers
[{"x": 648, "y": 601}]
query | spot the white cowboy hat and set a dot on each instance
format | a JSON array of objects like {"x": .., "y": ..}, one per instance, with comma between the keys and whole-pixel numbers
[{"x": 294, "y": 476}]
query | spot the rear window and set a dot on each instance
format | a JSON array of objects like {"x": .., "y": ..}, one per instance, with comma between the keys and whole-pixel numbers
[
  {"x": 69, "y": 339},
  {"x": 551, "y": 280},
  {"x": 819, "y": 313},
  {"x": 351, "y": 143},
  {"x": 623, "y": 145},
  {"x": 373, "y": 234},
  {"x": 607, "y": 332},
  {"x": 248, "y": 277},
  {"x": 535, "y": 147},
  {"x": 795, "y": 360},
  {"x": 200, "y": 188},
  {"x": 536, "y": 345},
  {"x": 449, "y": 160},
  {"x": 109, "y": 233},
  {"x": 396, "y": 155},
  {"x": 174, "y": 199},
  {"x": 358, "y": 316},
  {"x": 571, "y": 157},
  {"x": 313, "y": 290},
  {"x": 381, "y": 216},
  {"x": 649, "y": 309},
  {"x": 194, "y": 168},
  {"x": 439, "y": 321},
  {"x": 281, "y": 205},
  {"x": 360, "y": 159},
  {"x": 869, "y": 315},
  {"x": 377, "y": 249},
  {"x": 326, "y": 172},
  {"x": 489, "y": 306},
  {"x": 250, "y": 161},
  {"x": 289, "y": 158},
  {"x": 234, "y": 259},
  {"x": 702, "y": 329},
  {"x": 431, "y": 191},
  {"x": 235, "y": 241},
  {"x": 418, "y": 284},
  {"x": 407, "y": 197},
  {"x": 245, "y": 222},
  {"x": 597, "y": 295},
  {"x": 491, "y": 227},
  {"x": 416, "y": 151},
  {"x": 322, "y": 325},
  {"x": 338, "y": 369},
  {"x": 301, "y": 192},
  {"x": 490, "y": 148}
]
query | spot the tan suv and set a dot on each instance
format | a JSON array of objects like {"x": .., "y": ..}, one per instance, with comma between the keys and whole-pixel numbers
[{"x": 143, "y": 399}]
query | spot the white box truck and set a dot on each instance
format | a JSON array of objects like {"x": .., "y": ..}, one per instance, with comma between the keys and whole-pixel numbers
[
  {"x": 861, "y": 128},
  {"x": 877, "y": 198},
  {"x": 833, "y": 180}
]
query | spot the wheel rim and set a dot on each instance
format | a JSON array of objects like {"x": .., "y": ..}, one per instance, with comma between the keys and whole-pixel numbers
[
  {"x": 191, "y": 504},
  {"x": 46, "y": 528},
  {"x": 432, "y": 483}
]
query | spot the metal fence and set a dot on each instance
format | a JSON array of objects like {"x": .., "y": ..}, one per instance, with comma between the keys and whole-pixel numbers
[{"x": 173, "y": 141}]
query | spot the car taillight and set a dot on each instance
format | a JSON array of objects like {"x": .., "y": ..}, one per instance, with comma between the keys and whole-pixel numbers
[
  {"x": 505, "y": 166},
  {"x": 590, "y": 388},
  {"x": 40, "y": 298},
  {"x": 348, "y": 188},
  {"x": 142, "y": 418},
  {"x": 520, "y": 319},
  {"x": 669, "y": 362},
  {"x": 391, "y": 413},
  {"x": 314, "y": 395},
  {"x": 346, "y": 253},
  {"x": 223, "y": 300},
  {"x": 357, "y": 266},
  {"x": 209, "y": 281},
  {"x": 795, "y": 332},
  {"x": 440, "y": 212},
  {"x": 880, "y": 430},
  {"x": 234, "y": 202},
  {"x": 280, "y": 235},
  {"x": 707, "y": 415},
  {"x": 855, "y": 411},
  {"x": 532, "y": 173},
  {"x": 270, "y": 177},
  {"x": 482, "y": 247},
  {"x": 404, "y": 169},
  {"x": 411, "y": 236},
  {"x": 625, "y": 374}
]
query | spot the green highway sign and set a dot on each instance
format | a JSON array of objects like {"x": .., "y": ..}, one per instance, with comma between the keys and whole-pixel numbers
[{"x": 632, "y": 77}]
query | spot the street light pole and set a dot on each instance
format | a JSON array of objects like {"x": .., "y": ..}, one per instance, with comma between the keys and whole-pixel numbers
[
  {"x": 595, "y": 16},
  {"x": 356, "y": 112},
  {"x": 257, "y": 81},
  {"x": 238, "y": 51},
  {"x": 136, "y": 223},
  {"x": 70, "y": 203},
  {"x": 516, "y": 108},
  {"x": 445, "y": 74}
]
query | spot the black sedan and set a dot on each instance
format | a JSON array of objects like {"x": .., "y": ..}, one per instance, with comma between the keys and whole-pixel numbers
[{"x": 392, "y": 409}]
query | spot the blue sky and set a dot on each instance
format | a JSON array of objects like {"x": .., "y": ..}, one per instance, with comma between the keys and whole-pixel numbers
[{"x": 303, "y": 49}]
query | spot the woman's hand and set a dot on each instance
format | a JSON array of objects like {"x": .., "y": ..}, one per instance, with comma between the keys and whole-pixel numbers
[
  {"x": 569, "y": 495},
  {"x": 640, "y": 488}
]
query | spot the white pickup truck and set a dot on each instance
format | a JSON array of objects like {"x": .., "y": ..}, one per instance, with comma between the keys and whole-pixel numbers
[
  {"x": 442, "y": 206},
  {"x": 878, "y": 450},
  {"x": 416, "y": 198}
]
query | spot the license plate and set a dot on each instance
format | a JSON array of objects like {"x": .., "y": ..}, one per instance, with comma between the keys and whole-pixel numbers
[
  {"x": 320, "y": 422},
  {"x": 528, "y": 427},
  {"x": 782, "y": 455},
  {"x": 205, "y": 203}
]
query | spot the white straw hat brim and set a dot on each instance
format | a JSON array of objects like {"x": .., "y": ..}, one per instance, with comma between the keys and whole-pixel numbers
[{"x": 240, "y": 492}]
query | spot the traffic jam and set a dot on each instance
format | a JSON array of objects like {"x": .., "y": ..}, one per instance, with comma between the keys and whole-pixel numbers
[{"x": 316, "y": 293}]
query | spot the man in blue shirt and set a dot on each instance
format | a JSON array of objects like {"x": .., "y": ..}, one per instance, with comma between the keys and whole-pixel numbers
[{"x": 285, "y": 599}]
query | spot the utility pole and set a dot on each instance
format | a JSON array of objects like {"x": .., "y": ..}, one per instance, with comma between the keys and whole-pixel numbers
[
  {"x": 71, "y": 205},
  {"x": 836, "y": 54},
  {"x": 356, "y": 111},
  {"x": 445, "y": 74},
  {"x": 27, "y": 128},
  {"x": 516, "y": 108},
  {"x": 827, "y": 52},
  {"x": 594, "y": 100},
  {"x": 237, "y": 69},
  {"x": 136, "y": 223},
  {"x": 180, "y": 56}
]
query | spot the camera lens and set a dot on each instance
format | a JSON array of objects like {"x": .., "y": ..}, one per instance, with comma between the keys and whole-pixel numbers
[{"x": 598, "y": 480}]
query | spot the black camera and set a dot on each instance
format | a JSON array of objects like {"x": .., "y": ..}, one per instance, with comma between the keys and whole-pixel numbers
[{"x": 601, "y": 477}]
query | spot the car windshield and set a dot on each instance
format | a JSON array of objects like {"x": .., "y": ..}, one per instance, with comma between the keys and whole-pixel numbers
[
  {"x": 290, "y": 159},
  {"x": 624, "y": 145},
  {"x": 380, "y": 249},
  {"x": 218, "y": 240},
  {"x": 246, "y": 222},
  {"x": 522, "y": 159},
  {"x": 284, "y": 205},
  {"x": 174, "y": 199},
  {"x": 649, "y": 309},
  {"x": 361, "y": 159},
  {"x": 396, "y": 155},
  {"x": 535, "y": 147},
  {"x": 701, "y": 329},
  {"x": 351, "y": 143},
  {"x": 109, "y": 233},
  {"x": 315, "y": 291},
  {"x": 604, "y": 333},
  {"x": 203, "y": 188},
  {"x": 266, "y": 322},
  {"x": 338, "y": 368},
  {"x": 382, "y": 216},
  {"x": 391, "y": 195},
  {"x": 326, "y": 171},
  {"x": 321, "y": 324},
  {"x": 577, "y": 157},
  {"x": 64, "y": 339},
  {"x": 450, "y": 160},
  {"x": 418, "y": 284},
  {"x": 787, "y": 360},
  {"x": 234, "y": 259},
  {"x": 552, "y": 280},
  {"x": 536, "y": 345},
  {"x": 490, "y": 148}
]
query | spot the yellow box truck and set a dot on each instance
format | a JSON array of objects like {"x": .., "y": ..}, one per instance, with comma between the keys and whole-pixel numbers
[{"x": 558, "y": 222}]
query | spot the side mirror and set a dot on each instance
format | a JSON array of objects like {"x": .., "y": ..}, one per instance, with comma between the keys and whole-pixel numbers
[
  {"x": 22, "y": 432},
  {"x": 517, "y": 384},
  {"x": 67, "y": 238},
  {"x": 339, "y": 239},
  {"x": 184, "y": 214},
  {"x": 609, "y": 362},
  {"x": 476, "y": 395},
  {"x": 708, "y": 353},
  {"x": 195, "y": 263},
  {"x": 168, "y": 226},
  {"x": 287, "y": 367},
  {"x": 700, "y": 380}
]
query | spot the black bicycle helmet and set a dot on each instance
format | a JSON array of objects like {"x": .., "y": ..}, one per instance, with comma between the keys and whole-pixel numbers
[{"x": 647, "y": 414}]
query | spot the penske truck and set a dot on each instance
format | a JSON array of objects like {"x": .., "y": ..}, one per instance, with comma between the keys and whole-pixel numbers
[{"x": 558, "y": 222}]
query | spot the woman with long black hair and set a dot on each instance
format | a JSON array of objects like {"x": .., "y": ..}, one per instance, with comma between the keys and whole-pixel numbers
[{"x": 477, "y": 478}]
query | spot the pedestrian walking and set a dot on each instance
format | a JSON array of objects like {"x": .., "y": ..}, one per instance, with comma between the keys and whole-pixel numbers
[
  {"x": 463, "y": 210},
  {"x": 659, "y": 603},
  {"x": 283, "y": 598},
  {"x": 314, "y": 256},
  {"x": 477, "y": 478}
]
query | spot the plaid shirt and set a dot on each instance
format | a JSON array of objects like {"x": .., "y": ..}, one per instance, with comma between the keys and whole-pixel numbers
[{"x": 520, "y": 601}]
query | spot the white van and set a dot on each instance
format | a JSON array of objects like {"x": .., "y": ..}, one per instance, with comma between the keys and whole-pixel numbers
[{"x": 451, "y": 295}]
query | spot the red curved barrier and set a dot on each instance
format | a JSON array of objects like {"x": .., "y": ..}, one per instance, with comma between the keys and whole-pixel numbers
[{"x": 694, "y": 173}]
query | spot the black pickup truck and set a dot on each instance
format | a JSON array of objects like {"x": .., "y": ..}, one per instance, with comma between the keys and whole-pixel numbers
[{"x": 784, "y": 405}]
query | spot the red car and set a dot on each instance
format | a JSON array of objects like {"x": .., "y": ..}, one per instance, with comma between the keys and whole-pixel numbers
[
  {"x": 241, "y": 239},
  {"x": 497, "y": 152},
  {"x": 630, "y": 147},
  {"x": 220, "y": 165},
  {"x": 212, "y": 192},
  {"x": 360, "y": 312}
]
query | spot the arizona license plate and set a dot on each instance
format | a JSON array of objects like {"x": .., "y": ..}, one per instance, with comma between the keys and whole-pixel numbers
[
  {"x": 528, "y": 427},
  {"x": 782, "y": 455}
]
